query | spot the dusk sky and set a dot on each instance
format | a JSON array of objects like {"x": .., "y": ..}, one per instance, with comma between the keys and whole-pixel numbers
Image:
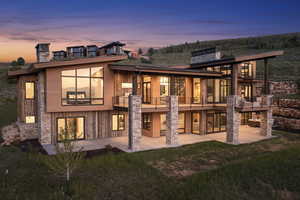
[{"x": 138, "y": 23}]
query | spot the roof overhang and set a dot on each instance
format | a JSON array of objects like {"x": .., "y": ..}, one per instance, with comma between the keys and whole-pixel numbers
[
  {"x": 164, "y": 70},
  {"x": 238, "y": 59},
  {"x": 40, "y": 66}
]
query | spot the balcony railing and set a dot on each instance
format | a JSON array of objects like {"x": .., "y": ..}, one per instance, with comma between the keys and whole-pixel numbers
[
  {"x": 158, "y": 102},
  {"x": 253, "y": 103}
]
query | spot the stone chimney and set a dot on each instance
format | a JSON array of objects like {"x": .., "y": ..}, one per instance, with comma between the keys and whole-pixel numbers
[
  {"x": 205, "y": 55},
  {"x": 42, "y": 52}
]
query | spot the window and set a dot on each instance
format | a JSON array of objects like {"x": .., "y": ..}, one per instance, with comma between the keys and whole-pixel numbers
[
  {"x": 163, "y": 122},
  {"x": 180, "y": 89},
  {"x": 196, "y": 122},
  {"x": 147, "y": 121},
  {"x": 82, "y": 86},
  {"x": 196, "y": 90},
  {"x": 118, "y": 122},
  {"x": 225, "y": 89},
  {"x": 29, "y": 90},
  {"x": 216, "y": 122},
  {"x": 226, "y": 69},
  {"x": 146, "y": 89},
  {"x": 70, "y": 128},
  {"x": 247, "y": 70},
  {"x": 246, "y": 91},
  {"x": 164, "y": 86},
  {"x": 181, "y": 123},
  {"x": 30, "y": 119}
]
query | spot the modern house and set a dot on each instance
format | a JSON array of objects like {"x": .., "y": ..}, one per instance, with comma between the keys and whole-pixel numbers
[{"x": 99, "y": 101}]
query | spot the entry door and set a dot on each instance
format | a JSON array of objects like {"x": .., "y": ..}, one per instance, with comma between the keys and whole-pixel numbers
[
  {"x": 196, "y": 123},
  {"x": 147, "y": 92}
]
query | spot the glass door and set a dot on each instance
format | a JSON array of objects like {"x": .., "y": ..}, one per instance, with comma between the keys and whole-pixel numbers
[
  {"x": 196, "y": 123},
  {"x": 146, "y": 87},
  {"x": 196, "y": 90}
]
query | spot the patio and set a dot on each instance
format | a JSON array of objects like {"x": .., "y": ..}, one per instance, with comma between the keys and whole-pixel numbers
[{"x": 247, "y": 135}]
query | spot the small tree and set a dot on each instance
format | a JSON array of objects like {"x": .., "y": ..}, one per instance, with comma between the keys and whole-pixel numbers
[
  {"x": 140, "y": 51},
  {"x": 66, "y": 161},
  {"x": 14, "y": 63},
  {"x": 21, "y": 61}
]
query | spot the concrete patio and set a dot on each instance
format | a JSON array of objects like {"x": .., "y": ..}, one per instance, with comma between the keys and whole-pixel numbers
[{"x": 247, "y": 135}]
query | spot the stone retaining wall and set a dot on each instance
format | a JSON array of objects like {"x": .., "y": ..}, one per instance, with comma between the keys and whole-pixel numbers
[{"x": 287, "y": 114}]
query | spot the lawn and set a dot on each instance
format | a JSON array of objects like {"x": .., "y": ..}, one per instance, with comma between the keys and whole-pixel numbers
[{"x": 211, "y": 170}]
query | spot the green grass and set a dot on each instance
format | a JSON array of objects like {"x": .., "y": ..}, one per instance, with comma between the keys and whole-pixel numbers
[{"x": 264, "y": 170}]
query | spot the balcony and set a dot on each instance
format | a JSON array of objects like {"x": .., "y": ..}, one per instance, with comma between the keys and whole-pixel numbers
[
  {"x": 159, "y": 104},
  {"x": 253, "y": 104}
]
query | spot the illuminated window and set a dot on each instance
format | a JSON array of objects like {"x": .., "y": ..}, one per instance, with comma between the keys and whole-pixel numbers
[
  {"x": 147, "y": 121},
  {"x": 181, "y": 123},
  {"x": 30, "y": 119},
  {"x": 247, "y": 70},
  {"x": 70, "y": 128},
  {"x": 82, "y": 86},
  {"x": 163, "y": 122},
  {"x": 118, "y": 122},
  {"x": 29, "y": 90},
  {"x": 196, "y": 90}
]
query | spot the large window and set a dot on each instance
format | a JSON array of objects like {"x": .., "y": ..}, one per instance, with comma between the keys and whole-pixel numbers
[
  {"x": 218, "y": 90},
  {"x": 164, "y": 86},
  {"x": 216, "y": 122},
  {"x": 70, "y": 128},
  {"x": 180, "y": 89},
  {"x": 29, "y": 90},
  {"x": 118, "y": 122},
  {"x": 196, "y": 90},
  {"x": 246, "y": 91},
  {"x": 147, "y": 121},
  {"x": 247, "y": 70},
  {"x": 225, "y": 89},
  {"x": 82, "y": 86}
]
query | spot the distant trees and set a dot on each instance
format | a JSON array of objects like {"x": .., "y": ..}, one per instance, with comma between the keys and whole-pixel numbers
[{"x": 16, "y": 64}]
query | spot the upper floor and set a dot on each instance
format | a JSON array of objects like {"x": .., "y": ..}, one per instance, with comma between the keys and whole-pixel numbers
[{"x": 99, "y": 83}]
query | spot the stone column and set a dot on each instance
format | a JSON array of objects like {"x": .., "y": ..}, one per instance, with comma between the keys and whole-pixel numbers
[
  {"x": 233, "y": 120},
  {"x": 266, "y": 117},
  {"x": 172, "y": 120},
  {"x": 135, "y": 122},
  {"x": 44, "y": 118}
]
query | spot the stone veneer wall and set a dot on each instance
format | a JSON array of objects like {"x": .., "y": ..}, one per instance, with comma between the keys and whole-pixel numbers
[
  {"x": 233, "y": 120},
  {"x": 135, "y": 122},
  {"x": 172, "y": 120},
  {"x": 279, "y": 88},
  {"x": 43, "y": 118},
  {"x": 287, "y": 114}
]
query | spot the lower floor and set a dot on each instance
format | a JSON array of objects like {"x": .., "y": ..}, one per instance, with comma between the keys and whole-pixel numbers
[{"x": 247, "y": 135}]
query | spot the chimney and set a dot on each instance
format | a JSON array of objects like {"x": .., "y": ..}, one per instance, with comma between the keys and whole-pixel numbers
[
  {"x": 205, "y": 55},
  {"x": 42, "y": 52}
]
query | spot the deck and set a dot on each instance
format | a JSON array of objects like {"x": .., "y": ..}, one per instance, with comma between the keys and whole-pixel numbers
[{"x": 247, "y": 135}]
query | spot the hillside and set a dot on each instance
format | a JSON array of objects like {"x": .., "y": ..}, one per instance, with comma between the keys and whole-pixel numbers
[{"x": 284, "y": 67}]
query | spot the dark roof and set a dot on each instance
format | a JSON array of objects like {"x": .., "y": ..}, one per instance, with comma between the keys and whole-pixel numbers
[
  {"x": 117, "y": 43},
  {"x": 164, "y": 70},
  {"x": 75, "y": 47},
  {"x": 238, "y": 59},
  {"x": 204, "y": 51}
]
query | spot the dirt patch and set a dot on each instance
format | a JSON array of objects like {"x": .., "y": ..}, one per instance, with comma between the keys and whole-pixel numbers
[{"x": 287, "y": 195}]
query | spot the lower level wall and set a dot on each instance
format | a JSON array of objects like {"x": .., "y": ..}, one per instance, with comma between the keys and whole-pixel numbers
[{"x": 97, "y": 124}]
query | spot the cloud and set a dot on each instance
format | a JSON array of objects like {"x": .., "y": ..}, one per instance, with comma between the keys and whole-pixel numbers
[{"x": 214, "y": 22}]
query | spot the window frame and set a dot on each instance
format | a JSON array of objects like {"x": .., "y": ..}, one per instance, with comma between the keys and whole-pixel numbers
[
  {"x": 26, "y": 90},
  {"x": 147, "y": 124},
  {"x": 65, "y": 122},
  {"x": 90, "y": 99},
  {"x": 118, "y": 122}
]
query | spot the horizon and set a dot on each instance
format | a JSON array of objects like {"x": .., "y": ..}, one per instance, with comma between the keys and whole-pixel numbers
[{"x": 139, "y": 24}]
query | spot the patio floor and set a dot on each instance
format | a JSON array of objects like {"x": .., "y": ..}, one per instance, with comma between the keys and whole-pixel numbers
[{"x": 247, "y": 135}]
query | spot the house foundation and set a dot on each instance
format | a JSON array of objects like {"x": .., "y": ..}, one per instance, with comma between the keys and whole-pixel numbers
[{"x": 266, "y": 117}]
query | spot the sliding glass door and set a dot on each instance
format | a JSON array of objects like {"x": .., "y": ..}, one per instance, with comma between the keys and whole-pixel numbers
[
  {"x": 196, "y": 122},
  {"x": 215, "y": 122}
]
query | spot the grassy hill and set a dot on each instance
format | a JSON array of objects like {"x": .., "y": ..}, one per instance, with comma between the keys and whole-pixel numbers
[{"x": 284, "y": 67}]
